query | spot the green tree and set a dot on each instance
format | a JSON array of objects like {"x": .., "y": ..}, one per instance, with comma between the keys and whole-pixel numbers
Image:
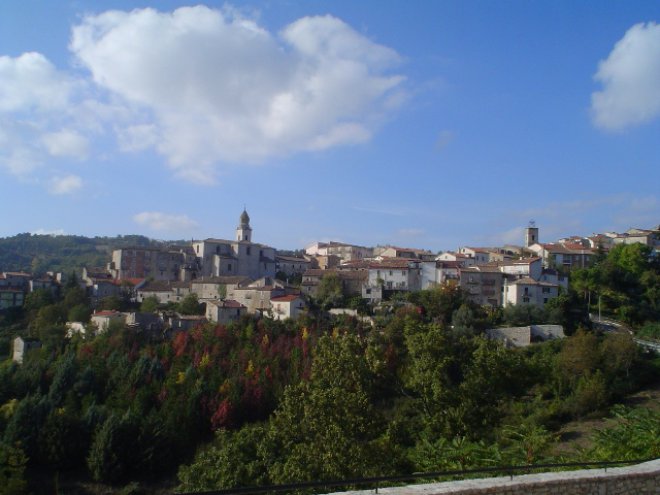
[
  {"x": 190, "y": 305},
  {"x": 149, "y": 304},
  {"x": 330, "y": 292},
  {"x": 12, "y": 470},
  {"x": 80, "y": 312},
  {"x": 113, "y": 452},
  {"x": 327, "y": 428},
  {"x": 234, "y": 459}
]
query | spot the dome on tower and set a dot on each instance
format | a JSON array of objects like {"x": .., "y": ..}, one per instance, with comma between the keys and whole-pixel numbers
[{"x": 245, "y": 218}]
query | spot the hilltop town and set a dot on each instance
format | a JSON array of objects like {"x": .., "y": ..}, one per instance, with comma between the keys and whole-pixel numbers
[{"x": 229, "y": 278}]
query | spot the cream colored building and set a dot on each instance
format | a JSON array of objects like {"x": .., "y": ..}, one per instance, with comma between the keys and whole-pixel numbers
[
  {"x": 290, "y": 306},
  {"x": 240, "y": 257}
]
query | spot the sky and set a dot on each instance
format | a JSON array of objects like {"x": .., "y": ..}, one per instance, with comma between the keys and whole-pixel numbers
[{"x": 427, "y": 124}]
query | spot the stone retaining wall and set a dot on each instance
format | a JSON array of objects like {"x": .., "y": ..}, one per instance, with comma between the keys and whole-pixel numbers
[{"x": 641, "y": 479}]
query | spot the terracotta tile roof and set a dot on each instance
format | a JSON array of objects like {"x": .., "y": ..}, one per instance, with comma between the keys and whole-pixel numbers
[
  {"x": 289, "y": 298},
  {"x": 227, "y": 303},
  {"x": 107, "y": 313},
  {"x": 291, "y": 259},
  {"x": 226, "y": 279}
]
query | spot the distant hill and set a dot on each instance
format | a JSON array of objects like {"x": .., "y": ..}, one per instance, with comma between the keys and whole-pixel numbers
[{"x": 38, "y": 254}]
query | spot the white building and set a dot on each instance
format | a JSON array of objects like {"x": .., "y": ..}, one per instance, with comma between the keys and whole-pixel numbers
[
  {"x": 290, "y": 306},
  {"x": 526, "y": 291}
]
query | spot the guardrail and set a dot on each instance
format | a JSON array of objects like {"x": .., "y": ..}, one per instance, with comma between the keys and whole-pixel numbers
[{"x": 382, "y": 481}]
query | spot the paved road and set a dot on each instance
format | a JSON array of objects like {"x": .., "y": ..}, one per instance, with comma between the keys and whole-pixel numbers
[{"x": 608, "y": 325}]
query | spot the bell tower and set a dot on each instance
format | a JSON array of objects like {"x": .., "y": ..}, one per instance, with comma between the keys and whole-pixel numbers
[
  {"x": 243, "y": 231},
  {"x": 531, "y": 234}
]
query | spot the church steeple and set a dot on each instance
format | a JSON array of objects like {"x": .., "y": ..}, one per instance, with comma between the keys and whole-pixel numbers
[{"x": 243, "y": 231}]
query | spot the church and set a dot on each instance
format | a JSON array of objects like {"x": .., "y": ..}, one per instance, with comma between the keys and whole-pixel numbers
[{"x": 240, "y": 257}]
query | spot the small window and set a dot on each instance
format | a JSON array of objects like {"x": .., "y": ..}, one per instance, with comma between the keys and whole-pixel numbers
[
  {"x": 229, "y": 267},
  {"x": 249, "y": 250}
]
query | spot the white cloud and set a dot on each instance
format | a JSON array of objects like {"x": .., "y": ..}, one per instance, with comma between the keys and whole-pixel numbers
[
  {"x": 66, "y": 143},
  {"x": 217, "y": 87},
  {"x": 159, "y": 221},
  {"x": 38, "y": 115},
  {"x": 31, "y": 82},
  {"x": 631, "y": 80},
  {"x": 65, "y": 185},
  {"x": 137, "y": 137}
]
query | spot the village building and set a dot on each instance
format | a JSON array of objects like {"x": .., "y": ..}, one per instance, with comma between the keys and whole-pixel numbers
[
  {"x": 164, "y": 291},
  {"x": 224, "y": 311},
  {"x": 343, "y": 251},
  {"x": 103, "y": 319},
  {"x": 527, "y": 291},
  {"x": 211, "y": 288},
  {"x": 240, "y": 257},
  {"x": 289, "y": 306},
  {"x": 21, "y": 346},
  {"x": 483, "y": 284},
  {"x": 11, "y": 298},
  {"x": 525, "y": 336},
  {"x": 291, "y": 265},
  {"x": 152, "y": 263},
  {"x": 565, "y": 256}
]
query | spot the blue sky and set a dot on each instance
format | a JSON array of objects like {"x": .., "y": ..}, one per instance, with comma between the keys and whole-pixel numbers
[{"x": 422, "y": 124}]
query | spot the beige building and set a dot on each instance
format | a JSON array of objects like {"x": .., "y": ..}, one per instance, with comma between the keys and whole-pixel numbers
[
  {"x": 164, "y": 291},
  {"x": 224, "y": 311},
  {"x": 345, "y": 252},
  {"x": 240, "y": 257},
  {"x": 211, "y": 288}
]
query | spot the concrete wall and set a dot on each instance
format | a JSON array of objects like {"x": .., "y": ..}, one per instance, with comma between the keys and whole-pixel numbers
[{"x": 642, "y": 479}]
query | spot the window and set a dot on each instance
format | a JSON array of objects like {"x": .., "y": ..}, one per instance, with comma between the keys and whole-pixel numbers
[
  {"x": 390, "y": 273},
  {"x": 249, "y": 250},
  {"x": 546, "y": 290},
  {"x": 228, "y": 267},
  {"x": 403, "y": 272},
  {"x": 545, "y": 300},
  {"x": 197, "y": 248},
  {"x": 525, "y": 299}
]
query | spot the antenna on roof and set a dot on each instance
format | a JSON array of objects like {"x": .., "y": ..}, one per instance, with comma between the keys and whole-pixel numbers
[{"x": 532, "y": 223}]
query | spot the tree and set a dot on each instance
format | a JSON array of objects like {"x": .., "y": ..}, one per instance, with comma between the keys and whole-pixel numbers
[
  {"x": 327, "y": 428},
  {"x": 330, "y": 293},
  {"x": 80, "y": 312},
  {"x": 149, "y": 304},
  {"x": 464, "y": 321},
  {"x": 190, "y": 305},
  {"x": 113, "y": 452},
  {"x": 12, "y": 470}
]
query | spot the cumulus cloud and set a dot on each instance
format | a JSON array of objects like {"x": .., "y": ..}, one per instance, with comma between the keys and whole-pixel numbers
[
  {"x": 220, "y": 88},
  {"x": 631, "y": 80},
  {"x": 31, "y": 82},
  {"x": 66, "y": 143},
  {"x": 38, "y": 108},
  {"x": 65, "y": 185},
  {"x": 159, "y": 221}
]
